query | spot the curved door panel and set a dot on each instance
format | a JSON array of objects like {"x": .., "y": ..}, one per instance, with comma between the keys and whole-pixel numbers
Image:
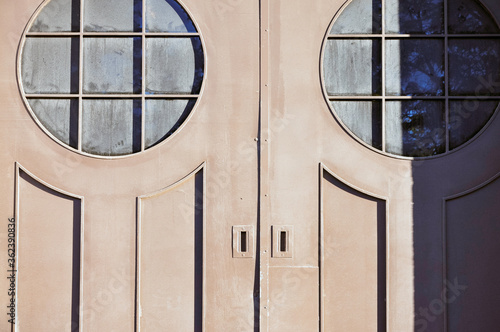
[
  {"x": 472, "y": 232},
  {"x": 170, "y": 257},
  {"x": 49, "y": 265},
  {"x": 353, "y": 258}
]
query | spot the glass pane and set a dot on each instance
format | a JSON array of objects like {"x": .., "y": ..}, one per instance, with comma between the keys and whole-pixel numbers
[
  {"x": 112, "y": 15},
  {"x": 415, "y": 67},
  {"x": 163, "y": 117},
  {"x": 468, "y": 16},
  {"x": 111, "y": 127},
  {"x": 410, "y": 16},
  {"x": 467, "y": 118},
  {"x": 360, "y": 16},
  {"x": 352, "y": 67},
  {"x": 58, "y": 15},
  {"x": 50, "y": 65},
  {"x": 174, "y": 65},
  {"x": 474, "y": 66},
  {"x": 112, "y": 65},
  {"x": 363, "y": 118},
  {"x": 167, "y": 16},
  {"x": 59, "y": 117},
  {"x": 415, "y": 128}
]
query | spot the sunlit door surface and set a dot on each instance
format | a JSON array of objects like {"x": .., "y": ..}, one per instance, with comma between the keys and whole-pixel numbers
[{"x": 129, "y": 153}]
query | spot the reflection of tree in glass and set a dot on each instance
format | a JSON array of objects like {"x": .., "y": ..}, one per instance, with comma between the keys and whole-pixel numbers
[
  {"x": 416, "y": 45},
  {"x": 415, "y": 67},
  {"x": 413, "y": 122},
  {"x": 423, "y": 128},
  {"x": 419, "y": 17},
  {"x": 472, "y": 61},
  {"x": 421, "y": 73},
  {"x": 470, "y": 17}
]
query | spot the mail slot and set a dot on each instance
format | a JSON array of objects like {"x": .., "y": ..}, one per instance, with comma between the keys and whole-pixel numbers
[
  {"x": 243, "y": 246},
  {"x": 282, "y": 241}
]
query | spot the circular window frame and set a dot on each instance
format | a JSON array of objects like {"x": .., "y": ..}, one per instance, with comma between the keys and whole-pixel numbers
[
  {"x": 382, "y": 151},
  {"x": 33, "y": 115}
]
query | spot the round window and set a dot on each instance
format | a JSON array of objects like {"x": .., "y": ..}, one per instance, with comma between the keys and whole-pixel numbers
[
  {"x": 111, "y": 77},
  {"x": 413, "y": 78}
]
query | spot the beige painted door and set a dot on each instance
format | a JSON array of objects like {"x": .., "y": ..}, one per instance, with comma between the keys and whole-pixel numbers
[
  {"x": 346, "y": 208},
  {"x": 142, "y": 241},
  {"x": 263, "y": 212},
  {"x": 375, "y": 241},
  {"x": 378, "y": 242}
]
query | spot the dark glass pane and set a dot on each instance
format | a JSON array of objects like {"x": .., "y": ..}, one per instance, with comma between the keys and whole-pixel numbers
[
  {"x": 112, "y": 65},
  {"x": 174, "y": 65},
  {"x": 474, "y": 66},
  {"x": 415, "y": 128},
  {"x": 415, "y": 67},
  {"x": 467, "y": 118},
  {"x": 167, "y": 16},
  {"x": 410, "y": 16},
  {"x": 112, "y": 15},
  {"x": 469, "y": 16},
  {"x": 111, "y": 127},
  {"x": 58, "y": 15},
  {"x": 352, "y": 67},
  {"x": 59, "y": 117},
  {"x": 163, "y": 117},
  {"x": 359, "y": 17},
  {"x": 363, "y": 118},
  {"x": 50, "y": 65}
]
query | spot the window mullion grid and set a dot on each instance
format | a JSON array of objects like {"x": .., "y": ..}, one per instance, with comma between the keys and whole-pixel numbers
[
  {"x": 131, "y": 96},
  {"x": 400, "y": 36},
  {"x": 368, "y": 97},
  {"x": 382, "y": 47},
  {"x": 133, "y": 34},
  {"x": 143, "y": 77},
  {"x": 80, "y": 78},
  {"x": 446, "y": 78},
  {"x": 78, "y": 93}
]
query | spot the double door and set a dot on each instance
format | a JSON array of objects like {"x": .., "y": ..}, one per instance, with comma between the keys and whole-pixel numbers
[{"x": 261, "y": 213}]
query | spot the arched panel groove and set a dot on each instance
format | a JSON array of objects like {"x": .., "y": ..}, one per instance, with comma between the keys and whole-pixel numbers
[
  {"x": 352, "y": 257},
  {"x": 170, "y": 256},
  {"x": 49, "y": 251},
  {"x": 471, "y": 232}
]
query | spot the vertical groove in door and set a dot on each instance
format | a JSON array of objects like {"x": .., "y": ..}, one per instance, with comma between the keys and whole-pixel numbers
[
  {"x": 321, "y": 246},
  {"x": 199, "y": 242},
  {"x": 264, "y": 239}
]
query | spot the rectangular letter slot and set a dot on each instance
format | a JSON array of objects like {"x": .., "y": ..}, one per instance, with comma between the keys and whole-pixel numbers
[
  {"x": 243, "y": 242},
  {"x": 282, "y": 241},
  {"x": 283, "y": 247}
]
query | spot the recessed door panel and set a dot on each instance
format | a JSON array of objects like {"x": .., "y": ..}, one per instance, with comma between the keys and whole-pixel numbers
[
  {"x": 353, "y": 258},
  {"x": 472, "y": 230},
  {"x": 170, "y": 257},
  {"x": 49, "y": 266}
]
